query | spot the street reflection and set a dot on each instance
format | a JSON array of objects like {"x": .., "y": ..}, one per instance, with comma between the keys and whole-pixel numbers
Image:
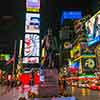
[
  {"x": 85, "y": 93},
  {"x": 80, "y": 93},
  {"x": 73, "y": 90}
]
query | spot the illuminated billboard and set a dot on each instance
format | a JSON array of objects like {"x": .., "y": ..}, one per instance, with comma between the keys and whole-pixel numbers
[
  {"x": 32, "y": 45},
  {"x": 75, "y": 52},
  {"x": 4, "y": 57},
  {"x": 70, "y": 15},
  {"x": 93, "y": 29},
  {"x": 31, "y": 60},
  {"x": 76, "y": 65},
  {"x": 32, "y": 5},
  {"x": 32, "y": 23},
  {"x": 89, "y": 63}
]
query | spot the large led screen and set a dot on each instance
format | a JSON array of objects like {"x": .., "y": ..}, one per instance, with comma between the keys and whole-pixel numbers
[
  {"x": 31, "y": 60},
  {"x": 33, "y": 5},
  {"x": 93, "y": 29},
  {"x": 32, "y": 45},
  {"x": 32, "y": 23}
]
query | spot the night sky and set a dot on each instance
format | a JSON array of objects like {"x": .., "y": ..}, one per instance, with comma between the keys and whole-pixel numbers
[{"x": 51, "y": 11}]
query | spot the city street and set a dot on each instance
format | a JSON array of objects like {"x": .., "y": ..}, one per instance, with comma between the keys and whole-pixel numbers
[
  {"x": 79, "y": 93},
  {"x": 85, "y": 94},
  {"x": 50, "y": 50}
]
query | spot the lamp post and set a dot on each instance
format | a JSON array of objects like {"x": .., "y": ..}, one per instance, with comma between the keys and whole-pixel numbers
[{"x": 14, "y": 56}]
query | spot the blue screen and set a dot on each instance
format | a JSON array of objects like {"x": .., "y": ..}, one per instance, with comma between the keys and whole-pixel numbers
[
  {"x": 76, "y": 65},
  {"x": 71, "y": 15},
  {"x": 93, "y": 41}
]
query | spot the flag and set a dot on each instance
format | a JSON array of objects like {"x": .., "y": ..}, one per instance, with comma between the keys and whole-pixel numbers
[{"x": 10, "y": 60}]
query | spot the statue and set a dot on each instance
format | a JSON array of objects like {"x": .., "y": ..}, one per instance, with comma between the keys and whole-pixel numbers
[{"x": 50, "y": 45}]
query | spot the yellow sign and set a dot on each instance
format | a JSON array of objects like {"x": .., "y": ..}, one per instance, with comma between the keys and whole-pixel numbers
[
  {"x": 33, "y": 9},
  {"x": 75, "y": 52}
]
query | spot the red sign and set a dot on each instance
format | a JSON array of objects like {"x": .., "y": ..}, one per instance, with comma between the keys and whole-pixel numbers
[{"x": 25, "y": 79}]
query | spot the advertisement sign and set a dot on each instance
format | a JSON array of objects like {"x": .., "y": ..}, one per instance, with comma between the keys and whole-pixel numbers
[
  {"x": 32, "y": 5},
  {"x": 32, "y": 23},
  {"x": 32, "y": 45},
  {"x": 93, "y": 29},
  {"x": 75, "y": 52},
  {"x": 70, "y": 15},
  {"x": 4, "y": 57},
  {"x": 89, "y": 63},
  {"x": 31, "y": 60},
  {"x": 76, "y": 65}
]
